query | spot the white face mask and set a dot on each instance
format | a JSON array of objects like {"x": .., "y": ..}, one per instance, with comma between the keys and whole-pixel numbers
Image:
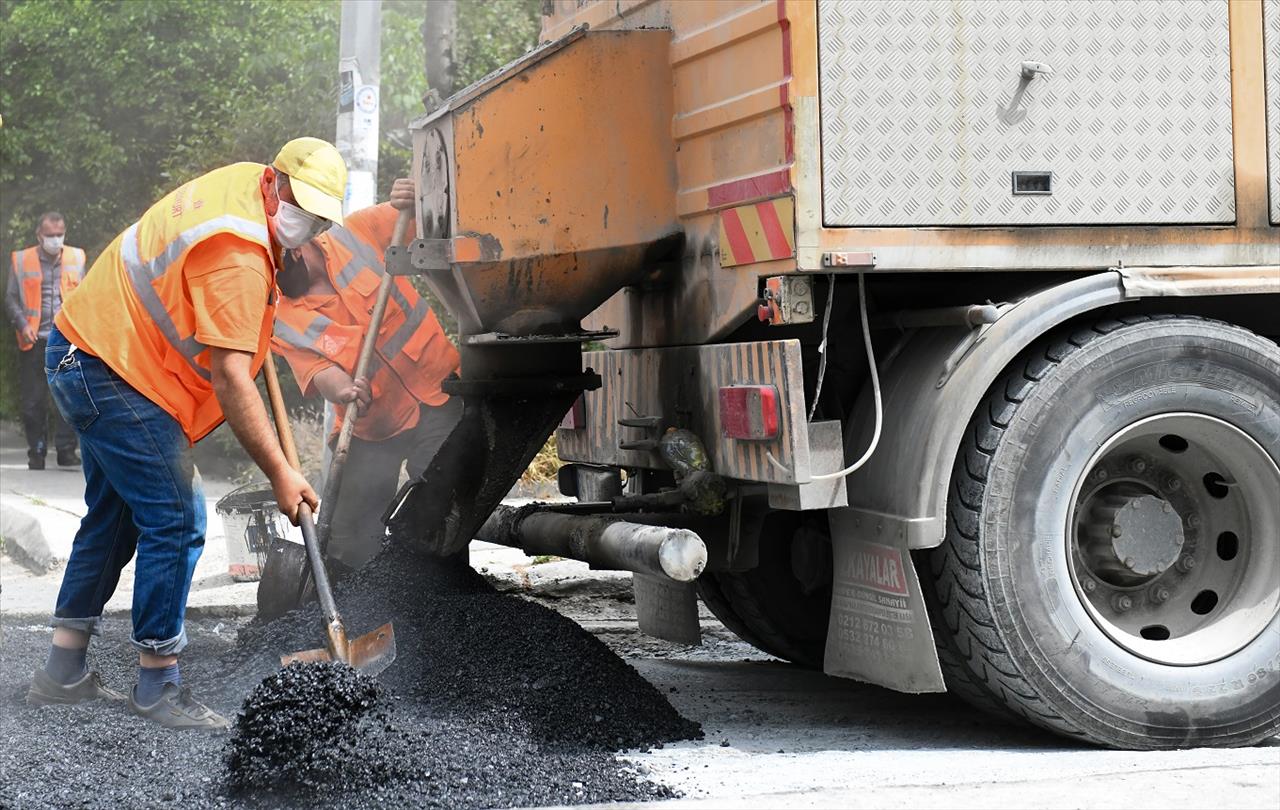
[
  {"x": 51, "y": 244},
  {"x": 295, "y": 227}
]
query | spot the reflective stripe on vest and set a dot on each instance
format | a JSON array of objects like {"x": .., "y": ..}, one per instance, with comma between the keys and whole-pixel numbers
[
  {"x": 303, "y": 340},
  {"x": 142, "y": 274},
  {"x": 413, "y": 318},
  {"x": 363, "y": 256}
]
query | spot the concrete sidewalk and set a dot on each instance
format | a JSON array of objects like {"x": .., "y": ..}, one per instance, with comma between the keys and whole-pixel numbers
[
  {"x": 54, "y": 497},
  {"x": 54, "y": 500}
]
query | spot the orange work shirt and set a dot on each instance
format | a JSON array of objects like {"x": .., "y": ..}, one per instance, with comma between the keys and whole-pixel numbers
[
  {"x": 317, "y": 332},
  {"x": 228, "y": 284}
]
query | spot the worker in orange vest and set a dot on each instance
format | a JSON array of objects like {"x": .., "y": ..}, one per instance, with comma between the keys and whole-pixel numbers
[
  {"x": 157, "y": 346},
  {"x": 40, "y": 277},
  {"x": 328, "y": 290}
]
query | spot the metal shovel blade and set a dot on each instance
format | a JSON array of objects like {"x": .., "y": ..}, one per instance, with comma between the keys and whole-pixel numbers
[{"x": 371, "y": 653}]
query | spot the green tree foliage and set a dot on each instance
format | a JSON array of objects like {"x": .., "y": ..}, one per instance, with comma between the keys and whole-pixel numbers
[{"x": 109, "y": 104}]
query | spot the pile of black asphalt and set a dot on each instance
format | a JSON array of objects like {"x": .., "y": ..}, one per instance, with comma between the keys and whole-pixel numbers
[{"x": 493, "y": 701}]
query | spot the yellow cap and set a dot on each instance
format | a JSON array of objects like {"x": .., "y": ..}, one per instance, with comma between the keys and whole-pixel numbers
[{"x": 317, "y": 175}]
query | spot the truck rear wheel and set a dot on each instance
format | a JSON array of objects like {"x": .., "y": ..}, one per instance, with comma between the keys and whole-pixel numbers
[
  {"x": 781, "y": 606},
  {"x": 1112, "y": 563}
]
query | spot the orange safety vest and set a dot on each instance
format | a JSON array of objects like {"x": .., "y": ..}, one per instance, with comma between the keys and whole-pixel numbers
[
  {"x": 412, "y": 356},
  {"x": 27, "y": 275},
  {"x": 134, "y": 310}
]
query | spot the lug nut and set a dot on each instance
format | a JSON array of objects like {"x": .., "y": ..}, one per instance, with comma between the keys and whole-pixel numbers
[
  {"x": 1193, "y": 520},
  {"x": 1138, "y": 465},
  {"x": 1172, "y": 484},
  {"x": 1186, "y": 563},
  {"x": 1090, "y": 586},
  {"x": 1121, "y": 602}
]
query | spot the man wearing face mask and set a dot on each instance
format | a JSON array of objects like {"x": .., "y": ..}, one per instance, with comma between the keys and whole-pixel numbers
[
  {"x": 329, "y": 286},
  {"x": 39, "y": 278},
  {"x": 157, "y": 346}
]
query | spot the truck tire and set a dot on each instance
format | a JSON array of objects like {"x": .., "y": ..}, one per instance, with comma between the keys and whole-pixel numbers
[
  {"x": 769, "y": 606},
  {"x": 1111, "y": 569}
]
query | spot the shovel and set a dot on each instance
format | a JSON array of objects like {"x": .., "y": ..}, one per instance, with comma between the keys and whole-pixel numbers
[
  {"x": 342, "y": 449},
  {"x": 370, "y": 653},
  {"x": 285, "y": 584}
]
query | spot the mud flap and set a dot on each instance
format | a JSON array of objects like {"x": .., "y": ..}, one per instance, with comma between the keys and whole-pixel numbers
[
  {"x": 667, "y": 609},
  {"x": 879, "y": 630}
]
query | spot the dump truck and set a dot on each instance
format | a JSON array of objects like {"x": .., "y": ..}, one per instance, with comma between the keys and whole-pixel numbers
[{"x": 929, "y": 343}]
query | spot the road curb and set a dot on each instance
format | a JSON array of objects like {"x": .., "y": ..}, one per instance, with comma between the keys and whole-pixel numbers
[
  {"x": 24, "y": 540},
  {"x": 195, "y": 612}
]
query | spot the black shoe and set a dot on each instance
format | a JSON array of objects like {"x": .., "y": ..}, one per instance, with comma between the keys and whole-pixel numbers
[
  {"x": 35, "y": 462},
  {"x": 68, "y": 458}
]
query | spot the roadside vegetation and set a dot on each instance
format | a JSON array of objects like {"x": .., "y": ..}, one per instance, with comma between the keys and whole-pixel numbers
[{"x": 107, "y": 105}]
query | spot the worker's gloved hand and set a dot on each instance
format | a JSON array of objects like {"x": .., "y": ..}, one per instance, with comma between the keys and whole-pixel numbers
[
  {"x": 402, "y": 194},
  {"x": 29, "y": 333},
  {"x": 292, "y": 490}
]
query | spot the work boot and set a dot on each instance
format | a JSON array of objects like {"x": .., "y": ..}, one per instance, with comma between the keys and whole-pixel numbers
[
  {"x": 35, "y": 456},
  {"x": 176, "y": 708},
  {"x": 68, "y": 458},
  {"x": 45, "y": 691}
]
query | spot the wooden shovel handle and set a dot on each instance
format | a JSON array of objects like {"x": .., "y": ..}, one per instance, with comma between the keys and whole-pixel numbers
[{"x": 278, "y": 412}]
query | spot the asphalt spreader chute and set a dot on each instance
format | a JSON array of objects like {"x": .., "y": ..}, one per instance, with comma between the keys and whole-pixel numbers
[{"x": 521, "y": 250}]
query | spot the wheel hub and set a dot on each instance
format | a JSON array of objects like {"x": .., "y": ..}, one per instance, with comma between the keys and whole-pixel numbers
[
  {"x": 1176, "y": 538},
  {"x": 1131, "y": 535}
]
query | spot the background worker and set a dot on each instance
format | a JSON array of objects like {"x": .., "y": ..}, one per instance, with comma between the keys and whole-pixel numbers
[
  {"x": 159, "y": 344},
  {"x": 329, "y": 286},
  {"x": 40, "y": 277}
]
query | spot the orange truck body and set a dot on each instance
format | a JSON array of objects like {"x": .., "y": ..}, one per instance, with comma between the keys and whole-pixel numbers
[
  {"x": 658, "y": 168},
  {"x": 746, "y": 104}
]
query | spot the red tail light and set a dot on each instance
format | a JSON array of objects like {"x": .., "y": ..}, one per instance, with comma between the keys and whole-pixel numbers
[{"x": 749, "y": 411}]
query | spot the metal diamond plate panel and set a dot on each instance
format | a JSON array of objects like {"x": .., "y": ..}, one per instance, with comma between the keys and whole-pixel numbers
[
  {"x": 930, "y": 106},
  {"x": 1271, "y": 42}
]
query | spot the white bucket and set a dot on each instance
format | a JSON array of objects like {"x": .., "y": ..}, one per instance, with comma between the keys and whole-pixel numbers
[{"x": 250, "y": 520}]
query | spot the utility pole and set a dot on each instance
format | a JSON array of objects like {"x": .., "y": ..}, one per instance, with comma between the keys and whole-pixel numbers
[
  {"x": 439, "y": 32},
  {"x": 359, "y": 75}
]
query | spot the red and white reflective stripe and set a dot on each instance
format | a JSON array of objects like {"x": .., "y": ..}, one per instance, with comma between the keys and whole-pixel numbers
[{"x": 759, "y": 232}]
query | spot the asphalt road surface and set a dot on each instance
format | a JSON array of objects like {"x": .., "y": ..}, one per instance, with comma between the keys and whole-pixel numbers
[{"x": 780, "y": 736}]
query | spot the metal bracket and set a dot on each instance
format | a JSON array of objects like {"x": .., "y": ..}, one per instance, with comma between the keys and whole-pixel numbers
[
  {"x": 849, "y": 258},
  {"x": 1030, "y": 69},
  {"x": 399, "y": 261},
  {"x": 521, "y": 386},
  {"x": 442, "y": 254},
  {"x": 503, "y": 339}
]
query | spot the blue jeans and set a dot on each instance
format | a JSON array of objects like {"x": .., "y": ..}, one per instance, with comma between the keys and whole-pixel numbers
[{"x": 144, "y": 498}]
